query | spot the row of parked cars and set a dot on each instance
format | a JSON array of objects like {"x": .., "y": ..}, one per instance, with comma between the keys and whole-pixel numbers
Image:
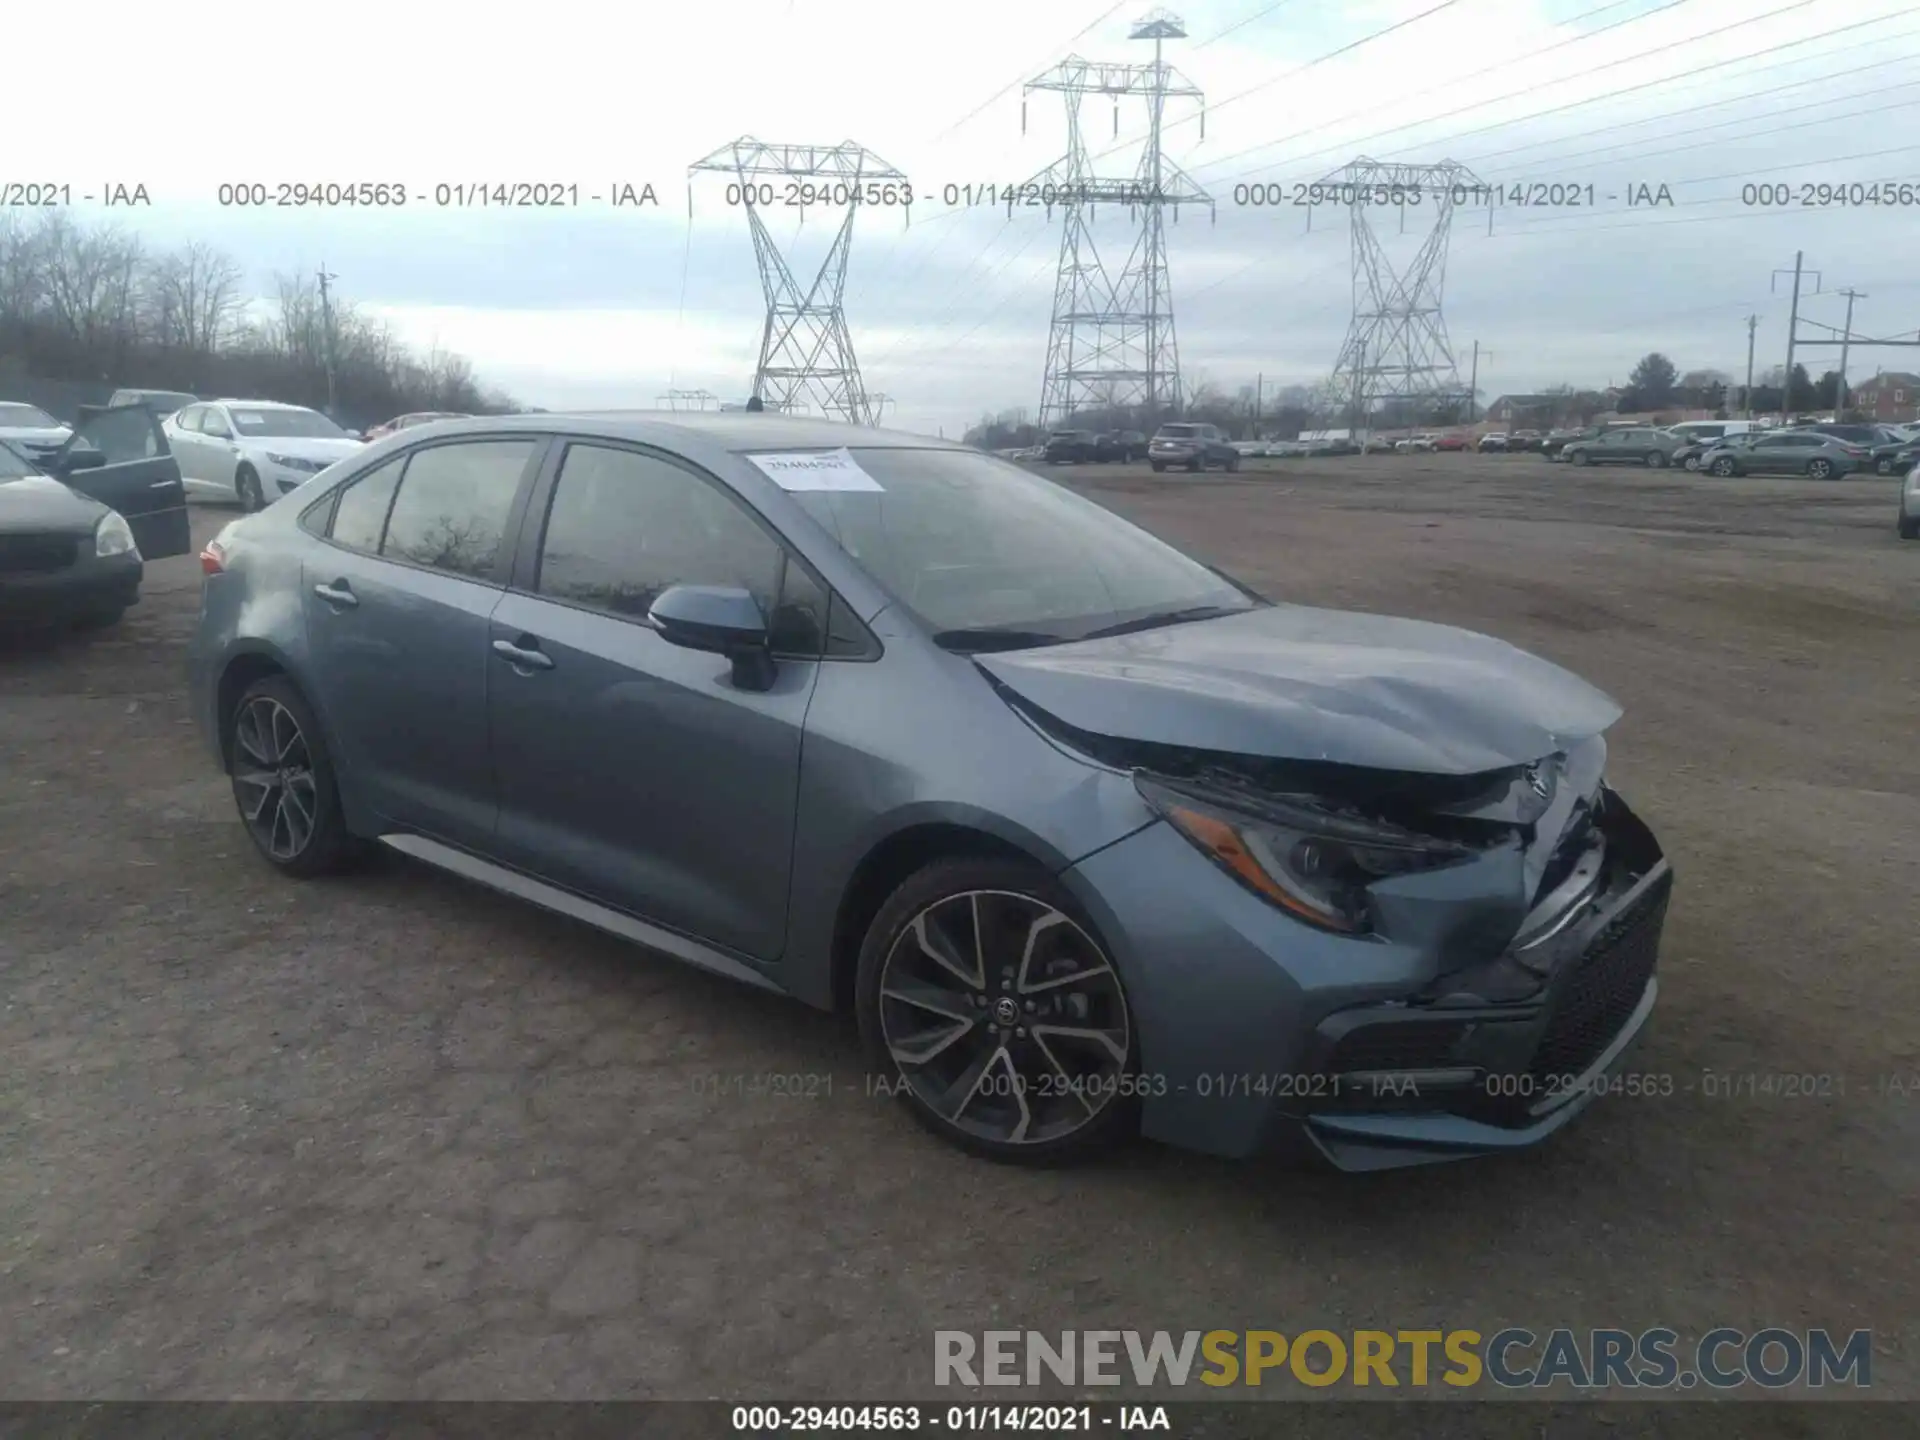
[
  {"x": 1818, "y": 450},
  {"x": 83, "y": 506}
]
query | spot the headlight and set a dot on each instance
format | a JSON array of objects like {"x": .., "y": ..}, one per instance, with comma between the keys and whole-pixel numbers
[
  {"x": 293, "y": 462},
  {"x": 1316, "y": 866},
  {"x": 113, "y": 537}
]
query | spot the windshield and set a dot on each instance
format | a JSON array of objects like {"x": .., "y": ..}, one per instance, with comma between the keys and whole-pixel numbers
[
  {"x": 304, "y": 424},
  {"x": 161, "y": 402},
  {"x": 26, "y": 417},
  {"x": 988, "y": 555},
  {"x": 14, "y": 463}
]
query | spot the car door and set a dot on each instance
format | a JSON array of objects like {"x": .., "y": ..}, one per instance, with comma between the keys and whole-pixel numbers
[
  {"x": 183, "y": 436},
  {"x": 414, "y": 558},
  {"x": 629, "y": 769},
  {"x": 1775, "y": 455},
  {"x": 219, "y": 454},
  {"x": 120, "y": 457}
]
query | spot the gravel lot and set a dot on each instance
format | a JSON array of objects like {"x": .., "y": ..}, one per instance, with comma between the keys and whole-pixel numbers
[{"x": 392, "y": 1136}]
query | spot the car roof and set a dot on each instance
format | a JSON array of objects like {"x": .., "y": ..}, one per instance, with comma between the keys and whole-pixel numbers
[
  {"x": 730, "y": 430},
  {"x": 257, "y": 404}
]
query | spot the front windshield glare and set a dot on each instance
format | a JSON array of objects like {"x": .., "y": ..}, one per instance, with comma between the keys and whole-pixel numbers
[{"x": 973, "y": 544}]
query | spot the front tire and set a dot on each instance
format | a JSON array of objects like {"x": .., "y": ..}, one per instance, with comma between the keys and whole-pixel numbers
[
  {"x": 1580, "y": 457},
  {"x": 1907, "y": 527},
  {"x": 246, "y": 485},
  {"x": 1159, "y": 469},
  {"x": 283, "y": 782},
  {"x": 1883, "y": 466},
  {"x": 996, "y": 1016},
  {"x": 1692, "y": 462}
]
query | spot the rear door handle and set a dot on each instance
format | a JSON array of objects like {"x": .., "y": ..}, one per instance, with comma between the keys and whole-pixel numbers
[
  {"x": 521, "y": 657},
  {"x": 338, "y": 594}
]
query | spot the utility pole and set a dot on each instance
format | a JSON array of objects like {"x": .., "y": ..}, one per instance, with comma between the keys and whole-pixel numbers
[
  {"x": 1846, "y": 340},
  {"x": 1259, "y": 394},
  {"x": 1473, "y": 385},
  {"x": 326, "y": 341},
  {"x": 1753, "y": 324},
  {"x": 1793, "y": 331}
]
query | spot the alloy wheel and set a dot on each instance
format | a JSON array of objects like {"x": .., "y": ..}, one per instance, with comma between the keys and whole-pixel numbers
[
  {"x": 1819, "y": 469},
  {"x": 273, "y": 778},
  {"x": 1005, "y": 1017}
]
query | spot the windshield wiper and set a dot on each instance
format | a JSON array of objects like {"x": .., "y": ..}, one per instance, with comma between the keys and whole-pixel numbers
[
  {"x": 1166, "y": 617},
  {"x": 986, "y": 638}
]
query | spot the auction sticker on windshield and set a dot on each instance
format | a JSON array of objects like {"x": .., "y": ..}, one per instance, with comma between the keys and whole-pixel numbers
[{"x": 818, "y": 470}]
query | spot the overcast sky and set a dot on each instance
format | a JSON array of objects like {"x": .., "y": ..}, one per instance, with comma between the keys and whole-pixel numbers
[{"x": 949, "y": 307}]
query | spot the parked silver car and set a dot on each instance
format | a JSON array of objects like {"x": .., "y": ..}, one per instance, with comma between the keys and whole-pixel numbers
[
  {"x": 1788, "y": 452},
  {"x": 1909, "y": 522},
  {"x": 1636, "y": 446}
]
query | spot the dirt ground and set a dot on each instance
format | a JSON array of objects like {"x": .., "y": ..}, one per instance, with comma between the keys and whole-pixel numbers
[{"x": 396, "y": 1137}]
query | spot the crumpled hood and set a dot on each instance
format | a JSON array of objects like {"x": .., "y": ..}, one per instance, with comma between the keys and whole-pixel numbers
[
  {"x": 1295, "y": 683},
  {"x": 319, "y": 449},
  {"x": 38, "y": 503}
]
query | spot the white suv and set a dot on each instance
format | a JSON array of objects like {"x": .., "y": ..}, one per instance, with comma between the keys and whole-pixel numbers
[{"x": 253, "y": 451}]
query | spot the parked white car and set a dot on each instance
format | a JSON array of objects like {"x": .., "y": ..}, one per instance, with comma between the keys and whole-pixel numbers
[
  {"x": 29, "y": 425},
  {"x": 1413, "y": 444},
  {"x": 253, "y": 451}
]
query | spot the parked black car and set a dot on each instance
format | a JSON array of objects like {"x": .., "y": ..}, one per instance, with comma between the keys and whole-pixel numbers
[
  {"x": 1072, "y": 447},
  {"x": 1192, "y": 447},
  {"x": 1525, "y": 440},
  {"x": 1123, "y": 445},
  {"x": 162, "y": 402},
  {"x": 75, "y": 528}
]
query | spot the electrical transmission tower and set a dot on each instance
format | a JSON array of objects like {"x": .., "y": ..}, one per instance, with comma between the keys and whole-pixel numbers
[
  {"x": 806, "y": 353},
  {"x": 689, "y": 400},
  {"x": 1112, "y": 342},
  {"x": 1396, "y": 348}
]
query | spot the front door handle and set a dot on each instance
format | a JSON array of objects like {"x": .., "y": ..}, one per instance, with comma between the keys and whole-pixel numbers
[
  {"x": 522, "y": 657},
  {"x": 338, "y": 594}
]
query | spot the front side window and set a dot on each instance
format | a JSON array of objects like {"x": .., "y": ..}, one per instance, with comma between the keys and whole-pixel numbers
[
  {"x": 212, "y": 422},
  {"x": 989, "y": 555},
  {"x": 624, "y": 526},
  {"x": 454, "y": 504},
  {"x": 122, "y": 435}
]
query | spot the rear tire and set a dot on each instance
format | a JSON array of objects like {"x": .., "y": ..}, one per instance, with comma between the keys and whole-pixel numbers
[
  {"x": 1656, "y": 460},
  {"x": 283, "y": 782},
  {"x": 104, "y": 619},
  {"x": 1159, "y": 469},
  {"x": 910, "y": 996},
  {"x": 1580, "y": 457},
  {"x": 1907, "y": 526},
  {"x": 1883, "y": 466},
  {"x": 1819, "y": 470}
]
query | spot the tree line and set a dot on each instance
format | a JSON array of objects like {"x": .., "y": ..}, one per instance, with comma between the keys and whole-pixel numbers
[{"x": 95, "y": 306}]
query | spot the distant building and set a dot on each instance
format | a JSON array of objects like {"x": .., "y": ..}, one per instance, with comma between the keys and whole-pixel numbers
[{"x": 1891, "y": 397}]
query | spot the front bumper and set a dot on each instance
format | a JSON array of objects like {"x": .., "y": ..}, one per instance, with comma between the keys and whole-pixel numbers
[
  {"x": 1259, "y": 1034},
  {"x": 90, "y": 585}
]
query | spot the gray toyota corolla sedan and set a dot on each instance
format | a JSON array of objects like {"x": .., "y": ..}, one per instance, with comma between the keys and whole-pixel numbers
[{"x": 1090, "y": 837}]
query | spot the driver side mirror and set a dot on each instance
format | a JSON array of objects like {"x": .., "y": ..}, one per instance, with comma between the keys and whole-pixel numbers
[
  {"x": 720, "y": 620},
  {"x": 88, "y": 459}
]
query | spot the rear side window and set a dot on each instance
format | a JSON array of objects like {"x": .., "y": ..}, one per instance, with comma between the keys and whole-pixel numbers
[
  {"x": 454, "y": 505},
  {"x": 360, "y": 516}
]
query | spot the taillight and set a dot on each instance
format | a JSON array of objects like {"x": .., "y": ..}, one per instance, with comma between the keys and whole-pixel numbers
[{"x": 213, "y": 560}]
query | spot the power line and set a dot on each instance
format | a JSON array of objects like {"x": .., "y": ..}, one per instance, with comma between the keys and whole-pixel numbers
[
  {"x": 1349, "y": 145},
  {"x": 1021, "y": 78},
  {"x": 1740, "y": 99},
  {"x": 1749, "y": 119},
  {"x": 1380, "y": 34},
  {"x": 1454, "y": 84},
  {"x": 1261, "y": 15}
]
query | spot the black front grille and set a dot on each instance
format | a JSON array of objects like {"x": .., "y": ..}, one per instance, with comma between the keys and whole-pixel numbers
[
  {"x": 1597, "y": 999},
  {"x": 36, "y": 554},
  {"x": 1408, "y": 1045}
]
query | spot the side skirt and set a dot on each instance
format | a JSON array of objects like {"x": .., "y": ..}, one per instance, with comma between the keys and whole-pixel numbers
[{"x": 549, "y": 897}]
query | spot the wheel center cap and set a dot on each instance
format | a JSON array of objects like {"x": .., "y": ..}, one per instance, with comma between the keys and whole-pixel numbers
[{"x": 1005, "y": 1010}]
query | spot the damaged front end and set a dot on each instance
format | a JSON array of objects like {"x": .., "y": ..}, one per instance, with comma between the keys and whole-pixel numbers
[{"x": 1528, "y": 902}]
